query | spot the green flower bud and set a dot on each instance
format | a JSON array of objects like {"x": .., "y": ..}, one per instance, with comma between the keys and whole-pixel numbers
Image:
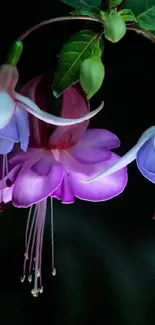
[
  {"x": 91, "y": 75},
  {"x": 14, "y": 53},
  {"x": 114, "y": 28}
]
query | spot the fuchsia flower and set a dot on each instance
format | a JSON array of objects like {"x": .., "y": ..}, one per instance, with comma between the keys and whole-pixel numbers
[
  {"x": 14, "y": 118},
  {"x": 56, "y": 160}
]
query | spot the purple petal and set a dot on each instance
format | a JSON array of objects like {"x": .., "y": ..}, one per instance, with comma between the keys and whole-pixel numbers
[
  {"x": 127, "y": 158},
  {"x": 22, "y": 157},
  {"x": 94, "y": 146},
  {"x": 23, "y": 127},
  {"x": 64, "y": 192},
  {"x": 88, "y": 155},
  {"x": 13, "y": 174},
  {"x": 104, "y": 188},
  {"x": 7, "y": 108},
  {"x": 146, "y": 160},
  {"x": 10, "y": 131},
  {"x": 37, "y": 182},
  {"x": 99, "y": 139},
  {"x": 5, "y": 146}
]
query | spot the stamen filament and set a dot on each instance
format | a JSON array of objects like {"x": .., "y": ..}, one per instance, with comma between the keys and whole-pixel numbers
[
  {"x": 34, "y": 235},
  {"x": 35, "y": 291},
  {"x": 3, "y": 175},
  {"x": 27, "y": 242},
  {"x": 52, "y": 239},
  {"x": 34, "y": 238}
]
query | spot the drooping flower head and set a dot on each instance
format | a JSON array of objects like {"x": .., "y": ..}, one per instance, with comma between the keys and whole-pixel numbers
[
  {"x": 14, "y": 109},
  {"x": 53, "y": 164}
]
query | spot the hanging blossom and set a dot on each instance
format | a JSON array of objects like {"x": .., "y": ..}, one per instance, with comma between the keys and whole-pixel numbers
[
  {"x": 144, "y": 154},
  {"x": 14, "y": 108},
  {"x": 52, "y": 166}
]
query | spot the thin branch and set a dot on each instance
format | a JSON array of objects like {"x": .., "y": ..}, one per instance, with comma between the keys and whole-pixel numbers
[
  {"x": 144, "y": 32},
  {"x": 56, "y": 20},
  {"x": 121, "y": 5}
]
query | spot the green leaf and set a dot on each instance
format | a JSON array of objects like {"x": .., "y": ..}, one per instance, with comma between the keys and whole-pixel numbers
[
  {"x": 78, "y": 48},
  {"x": 94, "y": 13},
  {"x": 127, "y": 15},
  {"x": 146, "y": 20},
  {"x": 114, "y": 3},
  {"x": 138, "y": 6},
  {"x": 80, "y": 4}
]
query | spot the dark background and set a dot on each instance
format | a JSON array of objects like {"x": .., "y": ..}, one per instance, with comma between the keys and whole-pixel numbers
[{"x": 105, "y": 252}]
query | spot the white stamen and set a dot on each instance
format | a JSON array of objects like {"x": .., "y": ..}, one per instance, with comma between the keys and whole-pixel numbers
[
  {"x": 3, "y": 175},
  {"x": 35, "y": 251},
  {"x": 27, "y": 226},
  {"x": 22, "y": 279},
  {"x": 27, "y": 242},
  {"x": 30, "y": 278},
  {"x": 52, "y": 238},
  {"x": 41, "y": 290},
  {"x": 35, "y": 292},
  {"x": 54, "y": 272}
]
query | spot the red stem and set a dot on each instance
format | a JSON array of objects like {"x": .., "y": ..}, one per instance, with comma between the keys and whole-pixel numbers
[
  {"x": 56, "y": 20},
  {"x": 144, "y": 32},
  {"x": 121, "y": 5}
]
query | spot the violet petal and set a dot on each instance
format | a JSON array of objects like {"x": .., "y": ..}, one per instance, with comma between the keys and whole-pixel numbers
[
  {"x": 5, "y": 146},
  {"x": 23, "y": 127},
  {"x": 104, "y": 188},
  {"x": 146, "y": 160},
  {"x": 38, "y": 181}
]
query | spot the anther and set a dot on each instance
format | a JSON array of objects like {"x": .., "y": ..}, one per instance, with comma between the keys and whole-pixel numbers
[
  {"x": 40, "y": 290},
  {"x": 8, "y": 182},
  {"x": 54, "y": 272},
  {"x": 34, "y": 292},
  {"x": 26, "y": 256}
]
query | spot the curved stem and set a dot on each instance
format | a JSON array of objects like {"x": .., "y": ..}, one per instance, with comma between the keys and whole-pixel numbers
[
  {"x": 121, "y": 5},
  {"x": 56, "y": 20},
  {"x": 144, "y": 32}
]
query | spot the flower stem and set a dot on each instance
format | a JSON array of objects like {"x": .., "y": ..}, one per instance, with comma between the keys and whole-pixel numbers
[
  {"x": 121, "y": 5},
  {"x": 144, "y": 32},
  {"x": 56, "y": 20}
]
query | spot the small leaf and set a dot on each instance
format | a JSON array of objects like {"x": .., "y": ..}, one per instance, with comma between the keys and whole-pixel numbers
[
  {"x": 80, "y": 4},
  {"x": 127, "y": 15},
  {"x": 146, "y": 20},
  {"x": 114, "y": 3},
  {"x": 78, "y": 48},
  {"x": 138, "y": 6},
  {"x": 94, "y": 13}
]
